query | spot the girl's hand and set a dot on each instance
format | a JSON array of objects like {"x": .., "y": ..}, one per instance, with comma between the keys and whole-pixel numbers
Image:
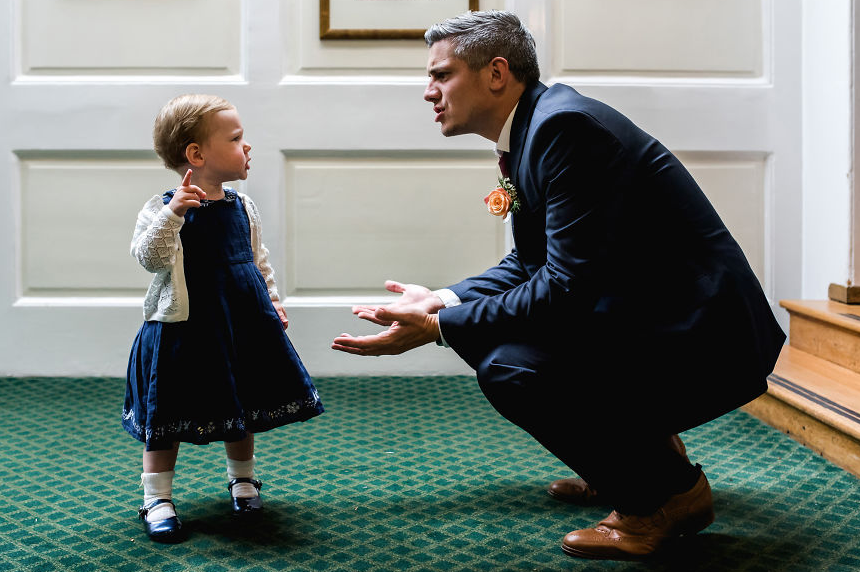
[
  {"x": 282, "y": 314},
  {"x": 186, "y": 196}
]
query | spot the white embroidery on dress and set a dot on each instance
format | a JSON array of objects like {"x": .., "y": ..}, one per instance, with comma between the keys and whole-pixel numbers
[{"x": 215, "y": 430}]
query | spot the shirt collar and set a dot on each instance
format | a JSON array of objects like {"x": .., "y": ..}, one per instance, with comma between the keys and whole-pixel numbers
[{"x": 503, "y": 145}]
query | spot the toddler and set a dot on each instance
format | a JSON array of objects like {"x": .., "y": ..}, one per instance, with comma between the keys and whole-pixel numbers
[{"x": 212, "y": 361}]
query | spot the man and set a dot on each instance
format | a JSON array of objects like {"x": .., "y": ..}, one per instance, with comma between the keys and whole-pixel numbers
[{"x": 625, "y": 314}]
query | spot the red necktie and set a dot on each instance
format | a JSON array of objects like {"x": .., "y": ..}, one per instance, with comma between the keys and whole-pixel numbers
[{"x": 503, "y": 164}]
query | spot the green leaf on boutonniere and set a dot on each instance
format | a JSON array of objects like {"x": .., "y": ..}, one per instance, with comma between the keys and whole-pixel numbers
[{"x": 506, "y": 185}]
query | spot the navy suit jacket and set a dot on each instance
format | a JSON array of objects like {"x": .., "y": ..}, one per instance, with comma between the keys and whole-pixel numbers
[{"x": 619, "y": 258}]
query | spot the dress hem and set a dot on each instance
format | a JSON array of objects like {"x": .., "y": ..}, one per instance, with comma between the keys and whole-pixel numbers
[{"x": 203, "y": 433}]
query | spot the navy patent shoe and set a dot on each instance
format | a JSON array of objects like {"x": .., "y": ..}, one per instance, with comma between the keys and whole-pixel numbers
[
  {"x": 246, "y": 505},
  {"x": 168, "y": 530}
]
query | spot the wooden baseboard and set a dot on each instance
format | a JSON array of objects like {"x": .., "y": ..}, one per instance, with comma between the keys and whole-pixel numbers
[
  {"x": 835, "y": 446},
  {"x": 844, "y": 294}
]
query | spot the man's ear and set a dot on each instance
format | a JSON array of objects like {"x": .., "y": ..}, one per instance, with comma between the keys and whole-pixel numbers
[
  {"x": 500, "y": 73},
  {"x": 194, "y": 155}
]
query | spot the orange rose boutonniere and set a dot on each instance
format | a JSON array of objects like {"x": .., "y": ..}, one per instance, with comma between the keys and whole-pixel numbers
[{"x": 503, "y": 199}]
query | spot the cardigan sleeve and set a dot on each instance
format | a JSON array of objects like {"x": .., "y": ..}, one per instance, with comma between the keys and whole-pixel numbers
[
  {"x": 261, "y": 253},
  {"x": 156, "y": 236}
]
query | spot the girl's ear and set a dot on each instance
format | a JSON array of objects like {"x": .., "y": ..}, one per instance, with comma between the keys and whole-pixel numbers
[{"x": 194, "y": 155}]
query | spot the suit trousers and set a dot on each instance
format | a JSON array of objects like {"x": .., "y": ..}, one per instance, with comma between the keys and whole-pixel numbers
[{"x": 581, "y": 411}]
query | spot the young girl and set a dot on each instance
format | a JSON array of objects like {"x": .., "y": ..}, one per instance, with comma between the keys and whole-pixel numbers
[{"x": 212, "y": 361}]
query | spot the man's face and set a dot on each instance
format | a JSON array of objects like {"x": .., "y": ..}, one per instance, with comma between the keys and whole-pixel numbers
[{"x": 460, "y": 96}]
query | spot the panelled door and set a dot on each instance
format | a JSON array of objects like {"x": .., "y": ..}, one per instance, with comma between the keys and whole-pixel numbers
[{"x": 354, "y": 182}]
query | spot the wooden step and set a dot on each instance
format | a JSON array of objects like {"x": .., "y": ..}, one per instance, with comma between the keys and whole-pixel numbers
[
  {"x": 816, "y": 402},
  {"x": 826, "y": 329}
]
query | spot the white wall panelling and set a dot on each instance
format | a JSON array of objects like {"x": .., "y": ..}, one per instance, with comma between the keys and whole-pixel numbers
[
  {"x": 130, "y": 38},
  {"x": 660, "y": 37},
  {"x": 354, "y": 181},
  {"x": 70, "y": 246},
  {"x": 357, "y": 219}
]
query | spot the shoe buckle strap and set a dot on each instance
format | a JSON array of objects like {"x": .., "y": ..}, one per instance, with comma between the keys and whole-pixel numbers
[
  {"x": 257, "y": 484},
  {"x": 144, "y": 509}
]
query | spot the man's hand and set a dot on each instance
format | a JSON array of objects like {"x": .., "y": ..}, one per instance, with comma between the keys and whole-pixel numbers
[
  {"x": 186, "y": 196},
  {"x": 409, "y": 328},
  {"x": 413, "y": 296},
  {"x": 411, "y": 321}
]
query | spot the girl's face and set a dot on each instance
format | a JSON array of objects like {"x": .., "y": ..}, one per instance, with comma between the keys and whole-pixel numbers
[{"x": 225, "y": 150}]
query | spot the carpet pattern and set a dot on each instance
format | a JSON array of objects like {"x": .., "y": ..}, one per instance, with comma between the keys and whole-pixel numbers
[{"x": 400, "y": 474}]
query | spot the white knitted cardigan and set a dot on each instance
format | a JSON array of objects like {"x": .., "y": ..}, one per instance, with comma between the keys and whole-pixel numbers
[{"x": 157, "y": 247}]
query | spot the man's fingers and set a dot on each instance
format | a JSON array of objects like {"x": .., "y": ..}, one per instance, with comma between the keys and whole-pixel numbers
[
  {"x": 358, "y": 345},
  {"x": 394, "y": 286},
  {"x": 347, "y": 349},
  {"x": 370, "y": 316},
  {"x": 352, "y": 350},
  {"x": 369, "y": 313},
  {"x": 349, "y": 341},
  {"x": 384, "y": 314},
  {"x": 363, "y": 309}
]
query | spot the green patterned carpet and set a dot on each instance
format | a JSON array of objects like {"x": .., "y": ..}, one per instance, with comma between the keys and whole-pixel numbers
[{"x": 411, "y": 474}]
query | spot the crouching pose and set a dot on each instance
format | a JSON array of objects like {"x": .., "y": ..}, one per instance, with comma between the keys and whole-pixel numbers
[{"x": 626, "y": 312}]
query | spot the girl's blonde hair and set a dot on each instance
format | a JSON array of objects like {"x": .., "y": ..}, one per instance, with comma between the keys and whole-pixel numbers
[{"x": 182, "y": 121}]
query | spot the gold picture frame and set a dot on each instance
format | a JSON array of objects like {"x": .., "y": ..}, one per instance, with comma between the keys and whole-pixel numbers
[{"x": 348, "y": 33}]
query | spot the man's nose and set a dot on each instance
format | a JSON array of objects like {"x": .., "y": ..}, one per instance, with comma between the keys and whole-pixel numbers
[{"x": 431, "y": 93}]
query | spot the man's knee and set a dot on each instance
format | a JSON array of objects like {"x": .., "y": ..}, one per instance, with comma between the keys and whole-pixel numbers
[
  {"x": 497, "y": 372},
  {"x": 514, "y": 364},
  {"x": 509, "y": 384}
]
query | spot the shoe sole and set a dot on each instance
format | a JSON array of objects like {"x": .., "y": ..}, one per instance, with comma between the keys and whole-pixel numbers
[
  {"x": 587, "y": 555},
  {"x": 172, "y": 538}
]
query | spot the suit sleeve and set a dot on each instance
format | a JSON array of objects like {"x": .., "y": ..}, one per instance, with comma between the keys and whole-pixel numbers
[
  {"x": 576, "y": 166},
  {"x": 507, "y": 274}
]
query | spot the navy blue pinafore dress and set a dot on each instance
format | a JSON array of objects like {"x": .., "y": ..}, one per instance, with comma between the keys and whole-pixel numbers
[{"x": 230, "y": 368}]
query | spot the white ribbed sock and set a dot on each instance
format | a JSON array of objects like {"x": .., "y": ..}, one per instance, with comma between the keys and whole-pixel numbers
[
  {"x": 158, "y": 486},
  {"x": 242, "y": 469}
]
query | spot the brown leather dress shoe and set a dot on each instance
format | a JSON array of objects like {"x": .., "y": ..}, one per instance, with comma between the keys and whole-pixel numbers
[
  {"x": 577, "y": 491},
  {"x": 630, "y": 537}
]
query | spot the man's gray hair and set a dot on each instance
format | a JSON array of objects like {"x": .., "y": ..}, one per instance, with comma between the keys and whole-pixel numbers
[{"x": 478, "y": 37}]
